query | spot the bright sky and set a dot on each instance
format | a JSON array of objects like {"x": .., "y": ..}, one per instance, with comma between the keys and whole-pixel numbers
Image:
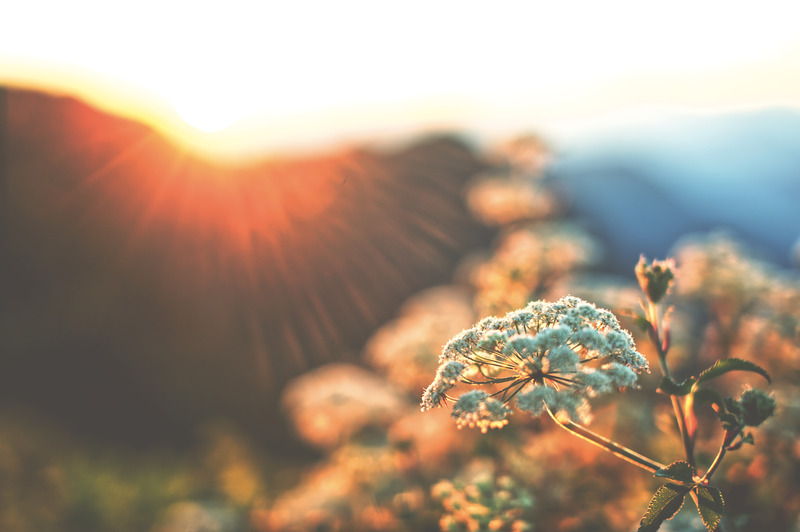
[{"x": 283, "y": 74}]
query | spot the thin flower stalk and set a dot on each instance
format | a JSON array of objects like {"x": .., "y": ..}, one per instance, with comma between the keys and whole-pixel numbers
[
  {"x": 608, "y": 445},
  {"x": 681, "y": 411},
  {"x": 656, "y": 280}
]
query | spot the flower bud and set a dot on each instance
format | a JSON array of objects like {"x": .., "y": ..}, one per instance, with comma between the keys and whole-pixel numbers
[
  {"x": 656, "y": 278},
  {"x": 757, "y": 406}
]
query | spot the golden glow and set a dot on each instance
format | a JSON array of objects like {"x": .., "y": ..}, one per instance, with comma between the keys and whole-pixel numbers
[
  {"x": 204, "y": 113},
  {"x": 277, "y": 76}
]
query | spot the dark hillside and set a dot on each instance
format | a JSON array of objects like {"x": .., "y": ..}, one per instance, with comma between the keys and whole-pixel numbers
[{"x": 146, "y": 289}]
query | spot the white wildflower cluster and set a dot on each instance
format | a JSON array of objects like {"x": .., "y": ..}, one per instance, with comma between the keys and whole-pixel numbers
[
  {"x": 476, "y": 409},
  {"x": 554, "y": 355}
]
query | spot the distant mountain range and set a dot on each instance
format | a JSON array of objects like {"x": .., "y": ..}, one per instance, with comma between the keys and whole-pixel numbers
[{"x": 642, "y": 189}]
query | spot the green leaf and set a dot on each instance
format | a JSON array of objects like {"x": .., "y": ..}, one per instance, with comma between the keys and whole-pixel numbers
[
  {"x": 642, "y": 323},
  {"x": 707, "y": 395},
  {"x": 731, "y": 364},
  {"x": 710, "y": 505},
  {"x": 665, "y": 504},
  {"x": 669, "y": 387},
  {"x": 679, "y": 471}
]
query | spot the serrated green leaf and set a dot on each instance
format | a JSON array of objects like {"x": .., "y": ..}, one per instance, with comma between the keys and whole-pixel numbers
[
  {"x": 710, "y": 505},
  {"x": 707, "y": 395},
  {"x": 679, "y": 471},
  {"x": 731, "y": 364},
  {"x": 670, "y": 387},
  {"x": 664, "y": 505}
]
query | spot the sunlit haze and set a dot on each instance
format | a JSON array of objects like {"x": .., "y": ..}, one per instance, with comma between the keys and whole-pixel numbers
[
  {"x": 247, "y": 246},
  {"x": 249, "y": 76}
]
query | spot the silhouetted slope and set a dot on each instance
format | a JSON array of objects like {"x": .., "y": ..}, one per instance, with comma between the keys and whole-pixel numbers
[{"x": 147, "y": 289}]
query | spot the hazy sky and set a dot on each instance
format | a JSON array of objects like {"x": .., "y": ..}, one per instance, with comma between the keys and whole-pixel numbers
[{"x": 302, "y": 72}]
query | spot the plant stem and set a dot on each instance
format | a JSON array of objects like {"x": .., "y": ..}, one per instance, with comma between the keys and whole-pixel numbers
[
  {"x": 688, "y": 445},
  {"x": 730, "y": 436},
  {"x": 607, "y": 445},
  {"x": 677, "y": 408},
  {"x": 715, "y": 464}
]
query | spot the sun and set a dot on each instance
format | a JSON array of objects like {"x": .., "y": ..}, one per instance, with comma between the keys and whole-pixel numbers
[{"x": 205, "y": 112}]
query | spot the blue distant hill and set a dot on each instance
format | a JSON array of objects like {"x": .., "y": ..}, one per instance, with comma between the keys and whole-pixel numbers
[{"x": 642, "y": 189}]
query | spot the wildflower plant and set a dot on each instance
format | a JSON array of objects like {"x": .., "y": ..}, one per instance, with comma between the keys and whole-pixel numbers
[
  {"x": 554, "y": 358},
  {"x": 484, "y": 503}
]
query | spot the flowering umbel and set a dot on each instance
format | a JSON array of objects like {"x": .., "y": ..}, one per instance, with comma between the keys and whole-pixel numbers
[{"x": 554, "y": 355}]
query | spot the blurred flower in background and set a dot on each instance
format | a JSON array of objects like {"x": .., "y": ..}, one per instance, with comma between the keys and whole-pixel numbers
[
  {"x": 329, "y": 405},
  {"x": 527, "y": 261},
  {"x": 481, "y": 500},
  {"x": 406, "y": 348},
  {"x": 513, "y": 192}
]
